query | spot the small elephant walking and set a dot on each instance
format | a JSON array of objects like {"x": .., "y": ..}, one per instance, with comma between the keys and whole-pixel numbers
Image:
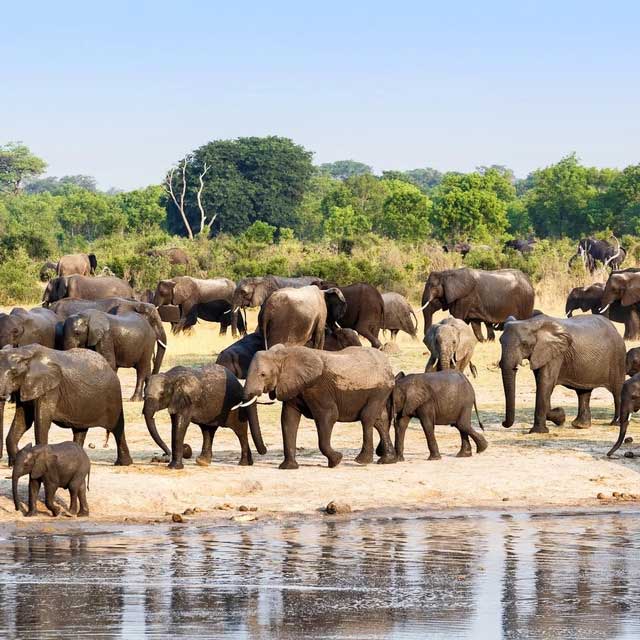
[
  {"x": 208, "y": 397},
  {"x": 441, "y": 397},
  {"x": 59, "y": 466},
  {"x": 629, "y": 403},
  {"x": 451, "y": 343}
]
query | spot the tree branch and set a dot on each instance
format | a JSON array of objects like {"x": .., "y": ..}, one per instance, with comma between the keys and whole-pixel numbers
[{"x": 180, "y": 206}]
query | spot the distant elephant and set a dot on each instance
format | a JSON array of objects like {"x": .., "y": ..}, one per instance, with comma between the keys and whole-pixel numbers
[
  {"x": 297, "y": 316},
  {"x": 340, "y": 339},
  {"x": 477, "y": 296},
  {"x": 451, "y": 343},
  {"x": 580, "y": 353},
  {"x": 463, "y": 248},
  {"x": 347, "y": 386},
  {"x": 632, "y": 361},
  {"x": 174, "y": 255},
  {"x": 206, "y": 396},
  {"x": 629, "y": 403},
  {"x": 442, "y": 397},
  {"x": 48, "y": 270},
  {"x": 81, "y": 264},
  {"x": 212, "y": 311},
  {"x": 74, "y": 389},
  {"x": 252, "y": 292},
  {"x": 124, "y": 341},
  {"x": 590, "y": 299},
  {"x": 186, "y": 293},
  {"x": 63, "y": 465},
  {"x": 523, "y": 246},
  {"x": 364, "y": 313},
  {"x": 85, "y": 288},
  {"x": 398, "y": 315},
  {"x": 22, "y": 327},
  {"x": 593, "y": 251}
]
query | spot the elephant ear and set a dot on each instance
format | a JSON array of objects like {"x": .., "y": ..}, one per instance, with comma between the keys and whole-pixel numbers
[
  {"x": 39, "y": 379},
  {"x": 631, "y": 292},
  {"x": 187, "y": 391},
  {"x": 458, "y": 284},
  {"x": 299, "y": 368},
  {"x": 44, "y": 461},
  {"x": 98, "y": 327},
  {"x": 552, "y": 341},
  {"x": 61, "y": 288},
  {"x": 182, "y": 291},
  {"x": 415, "y": 395}
]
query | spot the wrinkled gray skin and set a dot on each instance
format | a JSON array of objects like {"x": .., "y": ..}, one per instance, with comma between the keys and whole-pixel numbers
[
  {"x": 632, "y": 361},
  {"x": 442, "y": 397},
  {"x": 74, "y": 389},
  {"x": 348, "y": 386},
  {"x": 340, "y": 339},
  {"x": 204, "y": 396},
  {"x": 22, "y": 327},
  {"x": 629, "y": 403},
  {"x": 398, "y": 315},
  {"x": 81, "y": 264},
  {"x": 86, "y": 288},
  {"x": 451, "y": 343},
  {"x": 59, "y": 466},
  {"x": 124, "y": 341},
  {"x": 581, "y": 353}
]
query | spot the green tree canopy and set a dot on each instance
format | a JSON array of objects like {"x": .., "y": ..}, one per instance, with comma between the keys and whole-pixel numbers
[
  {"x": 343, "y": 169},
  {"x": 18, "y": 164},
  {"x": 405, "y": 212},
  {"x": 57, "y": 186}
]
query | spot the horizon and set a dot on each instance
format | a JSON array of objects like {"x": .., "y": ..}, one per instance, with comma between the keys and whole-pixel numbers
[{"x": 123, "y": 93}]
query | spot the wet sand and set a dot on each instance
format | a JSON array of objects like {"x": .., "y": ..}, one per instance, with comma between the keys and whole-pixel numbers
[{"x": 567, "y": 467}]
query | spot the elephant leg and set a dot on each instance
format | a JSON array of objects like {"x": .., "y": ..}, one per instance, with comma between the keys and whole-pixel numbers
[
  {"x": 583, "y": 419},
  {"x": 208, "y": 433},
  {"x": 179, "y": 424},
  {"x": 34, "y": 490},
  {"x": 318, "y": 337},
  {"x": 491, "y": 334},
  {"x": 632, "y": 325},
  {"x": 324, "y": 424},
  {"x": 464, "y": 426},
  {"x": 79, "y": 436},
  {"x": 371, "y": 335},
  {"x": 22, "y": 422},
  {"x": 366, "y": 453},
  {"x": 289, "y": 421},
  {"x": 143, "y": 370},
  {"x": 246, "y": 459},
  {"x": 385, "y": 450},
  {"x": 545, "y": 383},
  {"x": 428, "y": 426},
  {"x": 82, "y": 495},
  {"x": 42, "y": 419},
  {"x": 73, "y": 499},
  {"x": 477, "y": 330},
  {"x": 401, "y": 425},
  {"x": 49, "y": 496},
  {"x": 123, "y": 457},
  {"x": 465, "y": 446},
  {"x": 394, "y": 335}
]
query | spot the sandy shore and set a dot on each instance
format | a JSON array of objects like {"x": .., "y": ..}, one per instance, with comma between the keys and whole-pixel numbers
[{"x": 565, "y": 468}]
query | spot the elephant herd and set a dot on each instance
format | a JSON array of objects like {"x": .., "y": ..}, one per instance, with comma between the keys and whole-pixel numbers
[{"x": 58, "y": 362}]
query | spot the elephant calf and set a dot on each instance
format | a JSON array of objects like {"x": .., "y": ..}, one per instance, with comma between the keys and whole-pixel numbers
[
  {"x": 398, "y": 315},
  {"x": 208, "y": 396},
  {"x": 237, "y": 356},
  {"x": 629, "y": 403},
  {"x": 442, "y": 397},
  {"x": 451, "y": 343},
  {"x": 632, "y": 361},
  {"x": 63, "y": 465},
  {"x": 125, "y": 341}
]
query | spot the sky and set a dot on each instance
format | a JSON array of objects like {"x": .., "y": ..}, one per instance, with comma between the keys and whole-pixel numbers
[{"x": 122, "y": 90}]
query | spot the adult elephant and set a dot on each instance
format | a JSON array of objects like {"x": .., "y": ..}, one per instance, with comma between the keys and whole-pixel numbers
[
  {"x": 522, "y": 245},
  {"x": 74, "y": 389},
  {"x": 22, "y": 327},
  {"x": 186, "y": 293},
  {"x": 124, "y": 341},
  {"x": 593, "y": 251},
  {"x": 175, "y": 255},
  {"x": 590, "y": 299},
  {"x": 252, "y": 292},
  {"x": 345, "y": 386},
  {"x": 81, "y": 264},
  {"x": 293, "y": 316},
  {"x": 580, "y": 353},
  {"x": 477, "y": 296},
  {"x": 398, "y": 315},
  {"x": 85, "y": 288},
  {"x": 364, "y": 312}
]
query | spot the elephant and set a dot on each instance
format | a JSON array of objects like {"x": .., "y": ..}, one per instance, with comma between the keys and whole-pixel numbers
[
  {"x": 123, "y": 341},
  {"x": 476, "y": 296},
  {"x": 207, "y": 396},
  {"x": 63, "y": 465},
  {"x": 174, "y": 255},
  {"x": 590, "y": 299},
  {"x": 85, "y": 288},
  {"x": 629, "y": 403},
  {"x": 451, "y": 343},
  {"x": 398, "y": 315},
  {"x": 74, "y": 389},
  {"x": 252, "y": 292},
  {"x": 463, "y": 248},
  {"x": 632, "y": 361},
  {"x": 22, "y": 327},
  {"x": 186, "y": 293},
  {"x": 364, "y": 313},
  {"x": 297, "y": 316},
  {"x": 580, "y": 353},
  {"x": 237, "y": 356},
  {"x": 523, "y": 246},
  {"x": 212, "y": 311},
  {"x": 591, "y": 251},
  {"x": 48, "y": 270},
  {"x": 81, "y": 264},
  {"x": 441, "y": 397},
  {"x": 349, "y": 385},
  {"x": 624, "y": 287},
  {"x": 340, "y": 339}
]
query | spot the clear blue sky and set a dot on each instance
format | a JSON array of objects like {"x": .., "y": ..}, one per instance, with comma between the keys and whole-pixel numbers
[{"x": 121, "y": 90}]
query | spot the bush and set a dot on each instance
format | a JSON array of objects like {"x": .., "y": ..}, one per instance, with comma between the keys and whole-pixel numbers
[{"x": 18, "y": 280}]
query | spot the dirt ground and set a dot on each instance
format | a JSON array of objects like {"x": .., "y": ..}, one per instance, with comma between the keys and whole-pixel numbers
[{"x": 567, "y": 467}]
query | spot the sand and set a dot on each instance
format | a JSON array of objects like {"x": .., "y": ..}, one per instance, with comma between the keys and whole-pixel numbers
[{"x": 566, "y": 468}]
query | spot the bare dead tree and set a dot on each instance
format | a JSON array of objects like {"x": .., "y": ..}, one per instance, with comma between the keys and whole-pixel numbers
[
  {"x": 180, "y": 205},
  {"x": 203, "y": 218}
]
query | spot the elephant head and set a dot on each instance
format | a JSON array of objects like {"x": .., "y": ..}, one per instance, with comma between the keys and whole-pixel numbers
[
  {"x": 93, "y": 263},
  {"x": 164, "y": 293},
  {"x": 35, "y": 461},
  {"x": 11, "y": 329},
  {"x": 251, "y": 292},
  {"x": 336, "y": 305},
  {"x": 283, "y": 371},
  {"x": 629, "y": 403},
  {"x": 56, "y": 289},
  {"x": 624, "y": 287},
  {"x": 90, "y": 330},
  {"x": 539, "y": 340},
  {"x": 445, "y": 289},
  {"x": 446, "y": 341}
]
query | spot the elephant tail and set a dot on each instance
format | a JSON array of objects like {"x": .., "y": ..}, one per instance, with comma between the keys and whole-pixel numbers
[
  {"x": 414, "y": 332},
  {"x": 475, "y": 406}
]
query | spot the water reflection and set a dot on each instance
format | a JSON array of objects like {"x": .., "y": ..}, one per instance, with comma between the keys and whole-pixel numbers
[{"x": 465, "y": 577}]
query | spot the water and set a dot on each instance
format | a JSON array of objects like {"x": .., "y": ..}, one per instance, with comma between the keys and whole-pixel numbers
[{"x": 480, "y": 576}]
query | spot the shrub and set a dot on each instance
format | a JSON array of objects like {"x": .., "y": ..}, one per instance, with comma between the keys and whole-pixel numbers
[{"x": 18, "y": 280}]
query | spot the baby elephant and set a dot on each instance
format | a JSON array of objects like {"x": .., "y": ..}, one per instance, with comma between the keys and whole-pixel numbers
[
  {"x": 442, "y": 397},
  {"x": 63, "y": 465},
  {"x": 451, "y": 343},
  {"x": 632, "y": 362},
  {"x": 629, "y": 403}
]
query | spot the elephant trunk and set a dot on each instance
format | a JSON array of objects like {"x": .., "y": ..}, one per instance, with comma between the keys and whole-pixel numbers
[
  {"x": 254, "y": 426},
  {"x": 159, "y": 357},
  {"x": 509, "y": 385},
  {"x": 2, "y": 403},
  {"x": 16, "y": 475},
  {"x": 149, "y": 412},
  {"x": 626, "y": 409}
]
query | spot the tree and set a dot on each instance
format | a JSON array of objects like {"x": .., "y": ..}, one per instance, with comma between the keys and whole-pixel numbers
[
  {"x": 618, "y": 208},
  {"x": 405, "y": 212},
  {"x": 90, "y": 215},
  {"x": 143, "y": 208},
  {"x": 425, "y": 179},
  {"x": 57, "y": 186},
  {"x": 345, "y": 224},
  {"x": 343, "y": 169},
  {"x": 246, "y": 179},
  {"x": 18, "y": 164},
  {"x": 311, "y": 214}
]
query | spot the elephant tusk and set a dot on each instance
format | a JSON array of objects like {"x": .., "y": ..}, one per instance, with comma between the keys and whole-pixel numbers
[
  {"x": 228, "y": 311},
  {"x": 162, "y": 344},
  {"x": 605, "y": 308},
  {"x": 337, "y": 325},
  {"x": 425, "y": 305},
  {"x": 247, "y": 403}
]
